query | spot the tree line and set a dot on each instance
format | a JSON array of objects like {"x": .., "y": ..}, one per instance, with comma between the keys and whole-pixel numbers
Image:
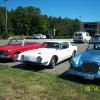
[{"x": 29, "y": 20}]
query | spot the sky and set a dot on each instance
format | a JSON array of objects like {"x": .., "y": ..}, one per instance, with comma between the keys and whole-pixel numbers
[{"x": 85, "y": 10}]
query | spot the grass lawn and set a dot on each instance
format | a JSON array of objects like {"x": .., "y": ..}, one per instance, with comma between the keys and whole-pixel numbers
[{"x": 18, "y": 84}]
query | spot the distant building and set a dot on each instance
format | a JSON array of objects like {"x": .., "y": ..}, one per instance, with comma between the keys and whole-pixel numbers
[{"x": 91, "y": 27}]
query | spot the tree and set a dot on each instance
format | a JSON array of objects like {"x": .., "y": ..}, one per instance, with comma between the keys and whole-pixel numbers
[
  {"x": 29, "y": 20},
  {"x": 2, "y": 20},
  {"x": 24, "y": 18}
]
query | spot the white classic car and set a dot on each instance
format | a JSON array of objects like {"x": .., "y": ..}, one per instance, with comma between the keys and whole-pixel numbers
[{"x": 50, "y": 54}]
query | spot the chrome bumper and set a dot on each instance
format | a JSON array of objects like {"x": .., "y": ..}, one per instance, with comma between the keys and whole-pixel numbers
[{"x": 85, "y": 75}]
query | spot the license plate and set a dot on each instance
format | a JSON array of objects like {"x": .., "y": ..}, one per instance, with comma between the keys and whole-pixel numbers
[{"x": 89, "y": 76}]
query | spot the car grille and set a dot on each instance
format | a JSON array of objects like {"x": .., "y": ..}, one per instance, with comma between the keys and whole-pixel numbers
[{"x": 90, "y": 67}]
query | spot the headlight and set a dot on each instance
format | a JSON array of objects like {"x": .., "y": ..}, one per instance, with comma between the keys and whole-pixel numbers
[
  {"x": 39, "y": 59},
  {"x": 74, "y": 64}
]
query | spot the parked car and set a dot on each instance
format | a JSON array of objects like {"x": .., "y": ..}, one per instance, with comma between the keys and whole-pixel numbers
[
  {"x": 15, "y": 46},
  {"x": 52, "y": 53},
  {"x": 87, "y": 63},
  {"x": 40, "y": 36},
  {"x": 81, "y": 37},
  {"x": 95, "y": 37},
  {"x": 44, "y": 37},
  {"x": 33, "y": 36},
  {"x": 49, "y": 36}
]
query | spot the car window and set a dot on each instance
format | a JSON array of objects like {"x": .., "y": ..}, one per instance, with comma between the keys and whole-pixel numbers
[
  {"x": 94, "y": 46},
  {"x": 97, "y": 47},
  {"x": 51, "y": 45},
  {"x": 15, "y": 41},
  {"x": 80, "y": 34},
  {"x": 76, "y": 34},
  {"x": 64, "y": 45}
]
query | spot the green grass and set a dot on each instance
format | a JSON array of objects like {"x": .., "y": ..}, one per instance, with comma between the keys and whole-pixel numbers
[{"x": 18, "y": 84}]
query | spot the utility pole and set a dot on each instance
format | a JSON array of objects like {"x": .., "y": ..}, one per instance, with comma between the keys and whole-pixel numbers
[{"x": 6, "y": 18}]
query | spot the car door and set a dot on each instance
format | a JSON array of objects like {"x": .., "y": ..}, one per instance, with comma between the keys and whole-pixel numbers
[{"x": 64, "y": 51}]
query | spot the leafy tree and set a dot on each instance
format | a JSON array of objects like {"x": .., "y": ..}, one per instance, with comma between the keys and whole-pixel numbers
[
  {"x": 29, "y": 20},
  {"x": 2, "y": 20}
]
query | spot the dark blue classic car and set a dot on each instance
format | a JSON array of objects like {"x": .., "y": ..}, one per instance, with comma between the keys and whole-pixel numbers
[{"x": 87, "y": 63}]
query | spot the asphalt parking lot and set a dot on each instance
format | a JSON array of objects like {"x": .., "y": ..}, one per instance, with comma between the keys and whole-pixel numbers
[{"x": 59, "y": 69}]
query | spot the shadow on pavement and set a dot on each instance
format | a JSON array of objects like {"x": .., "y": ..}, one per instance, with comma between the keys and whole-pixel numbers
[
  {"x": 32, "y": 67},
  {"x": 79, "y": 79}
]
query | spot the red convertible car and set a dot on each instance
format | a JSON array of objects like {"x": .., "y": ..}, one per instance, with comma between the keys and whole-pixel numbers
[{"x": 15, "y": 46}]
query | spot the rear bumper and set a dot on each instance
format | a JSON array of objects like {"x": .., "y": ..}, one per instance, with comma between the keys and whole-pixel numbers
[{"x": 85, "y": 75}]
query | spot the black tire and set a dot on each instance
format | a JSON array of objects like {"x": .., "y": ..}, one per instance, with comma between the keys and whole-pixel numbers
[
  {"x": 73, "y": 54},
  {"x": 15, "y": 57},
  {"x": 52, "y": 62}
]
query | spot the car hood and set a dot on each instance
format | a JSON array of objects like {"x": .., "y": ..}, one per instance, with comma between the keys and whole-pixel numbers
[
  {"x": 90, "y": 55},
  {"x": 9, "y": 47},
  {"x": 39, "y": 52}
]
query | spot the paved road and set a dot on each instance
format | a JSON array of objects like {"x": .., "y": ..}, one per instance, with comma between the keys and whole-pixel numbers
[{"x": 59, "y": 69}]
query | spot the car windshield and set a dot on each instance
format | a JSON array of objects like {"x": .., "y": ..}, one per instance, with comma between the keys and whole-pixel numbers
[
  {"x": 15, "y": 41},
  {"x": 94, "y": 46},
  {"x": 51, "y": 45},
  {"x": 78, "y": 34}
]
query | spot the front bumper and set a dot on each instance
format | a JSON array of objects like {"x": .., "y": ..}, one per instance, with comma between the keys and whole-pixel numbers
[{"x": 89, "y": 76}]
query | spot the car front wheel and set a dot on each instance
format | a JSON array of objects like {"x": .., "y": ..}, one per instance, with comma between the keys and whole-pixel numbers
[
  {"x": 52, "y": 62},
  {"x": 73, "y": 54}
]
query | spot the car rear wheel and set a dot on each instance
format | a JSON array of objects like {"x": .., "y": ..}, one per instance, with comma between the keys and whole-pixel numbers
[
  {"x": 15, "y": 57},
  {"x": 52, "y": 62}
]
